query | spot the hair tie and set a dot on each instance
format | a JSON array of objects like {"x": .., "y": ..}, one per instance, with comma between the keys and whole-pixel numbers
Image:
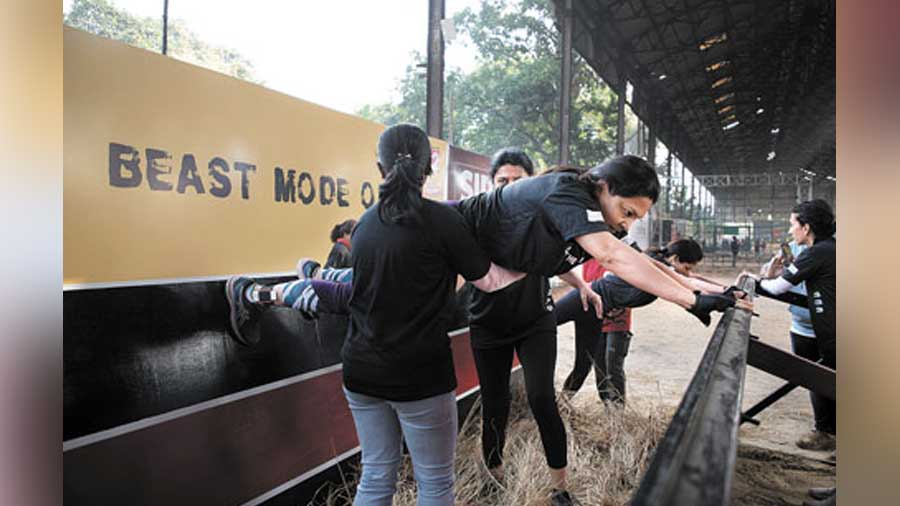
[{"x": 401, "y": 156}]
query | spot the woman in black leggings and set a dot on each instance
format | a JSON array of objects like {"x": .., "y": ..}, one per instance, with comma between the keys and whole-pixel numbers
[
  {"x": 607, "y": 352},
  {"x": 517, "y": 320}
]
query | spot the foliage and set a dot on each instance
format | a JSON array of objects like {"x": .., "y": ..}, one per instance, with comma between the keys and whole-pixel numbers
[
  {"x": 102, "y": 18},
  {"x": 512, "y": 97}
]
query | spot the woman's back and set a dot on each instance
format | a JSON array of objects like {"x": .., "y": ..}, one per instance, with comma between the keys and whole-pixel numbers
[{"x": 403, "y": 300}]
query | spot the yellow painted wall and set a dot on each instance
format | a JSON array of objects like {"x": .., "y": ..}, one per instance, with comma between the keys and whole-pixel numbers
[{"x": 116, "y": 94}]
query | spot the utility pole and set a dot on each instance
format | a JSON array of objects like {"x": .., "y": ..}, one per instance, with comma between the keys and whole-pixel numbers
[
  {"x": 434, "y": 87},
  {"x": 565, "y": 95}
]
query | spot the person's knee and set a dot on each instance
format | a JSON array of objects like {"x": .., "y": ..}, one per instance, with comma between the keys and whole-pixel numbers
[
  {"x": 377, "y": 484},
  {"x": 435, "y": 484},
  {"x": 542, "y": 402}
]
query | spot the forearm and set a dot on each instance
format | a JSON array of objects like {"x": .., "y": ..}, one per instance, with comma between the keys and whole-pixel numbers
[
  {"x": 776, "y": 286},
  {"x": 497, "y": 278},
  {"x": 705, "y": 285},
  {"x": 663, "y": 268},
  {"x": 635, "y": 268}
]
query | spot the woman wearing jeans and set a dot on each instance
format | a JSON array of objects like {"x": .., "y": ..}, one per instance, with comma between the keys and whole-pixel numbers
[{"x": 398, "y": 368}]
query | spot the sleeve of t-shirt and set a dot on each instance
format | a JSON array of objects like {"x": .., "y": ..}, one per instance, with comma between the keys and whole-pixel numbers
[
  {"x": 573, "y": 211},
  {"x": 804, "y": 267},
  {"x": 462, "y": 251}
]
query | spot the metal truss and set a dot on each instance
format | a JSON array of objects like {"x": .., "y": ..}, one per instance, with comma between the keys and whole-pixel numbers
[{"x": 764, "y": 179}]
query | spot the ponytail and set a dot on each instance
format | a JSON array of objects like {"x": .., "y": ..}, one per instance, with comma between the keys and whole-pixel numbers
[
  {"x": 686, "y": 250},
  {"x": 818, "y": 215},
  {"x": 404, "y": 155}
]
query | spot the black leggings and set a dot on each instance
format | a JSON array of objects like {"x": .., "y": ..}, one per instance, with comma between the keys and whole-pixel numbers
[
  {"x": 824, "y": 409},
  {"x": 606, "y": 352},
  {"x": 537, "y": 353}
]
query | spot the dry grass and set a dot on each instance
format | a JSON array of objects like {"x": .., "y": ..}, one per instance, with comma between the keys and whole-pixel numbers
[{"x": 608, "y": 451}]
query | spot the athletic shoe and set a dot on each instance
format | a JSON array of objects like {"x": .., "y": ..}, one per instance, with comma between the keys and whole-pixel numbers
[
  {"x": 561, "y": 498},
  {"x": 307, "y": 268},
  {"x": 242, "y": 313},
  {"x": 817, "y": 441},
  {"x": 828, "y": 501},
  {"x": 822, "y": 492},
  {"x": 495, "y": 477}
]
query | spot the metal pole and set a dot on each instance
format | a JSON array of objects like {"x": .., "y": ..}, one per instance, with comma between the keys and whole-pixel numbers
[
  {"x": 434, "y": 88},
  {"x": 165, "y": 27},
  {"x": 620, "y": 125},
  {"x": 450, "y": 112},
  {"x": 565, "y": 86},
  {"x": 669, "y": 182},
  {"x": 683, "y": 193}
]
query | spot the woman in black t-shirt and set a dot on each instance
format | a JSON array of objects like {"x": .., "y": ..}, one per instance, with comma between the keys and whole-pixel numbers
[
  {"x": 397, "y": 363},
  {"x": 812, "y": 224}
]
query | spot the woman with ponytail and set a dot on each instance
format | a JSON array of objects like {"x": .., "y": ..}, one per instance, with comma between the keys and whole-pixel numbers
[
  {"x": 813, "y": 225},
  {"x": 399, "y": 377}
]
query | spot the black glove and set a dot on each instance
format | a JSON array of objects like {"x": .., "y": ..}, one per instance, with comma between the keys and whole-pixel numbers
[
  {"x": 730, "y": 291},
  {"x": 706, "y": 304}
]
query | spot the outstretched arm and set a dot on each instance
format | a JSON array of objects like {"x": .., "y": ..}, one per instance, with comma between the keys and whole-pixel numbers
[
  {"x": 638, "y": 271},
  {"x": 635, "y": 268}
]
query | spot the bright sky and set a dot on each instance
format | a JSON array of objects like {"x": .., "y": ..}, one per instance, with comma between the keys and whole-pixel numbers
[{"x": 341, "y": 54}]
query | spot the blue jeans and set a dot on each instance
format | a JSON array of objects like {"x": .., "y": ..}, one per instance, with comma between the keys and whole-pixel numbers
[{"x": 429, "y": 427}]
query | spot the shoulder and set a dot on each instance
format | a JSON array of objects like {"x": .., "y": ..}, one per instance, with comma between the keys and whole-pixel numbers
[{"x": 437, "y": 213}]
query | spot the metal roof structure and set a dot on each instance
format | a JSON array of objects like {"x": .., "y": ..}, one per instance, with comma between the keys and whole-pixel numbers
[{"x": 732, "y": 86}]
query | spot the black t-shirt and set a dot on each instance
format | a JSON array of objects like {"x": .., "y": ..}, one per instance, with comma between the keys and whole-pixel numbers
[
  {"x": 530, "y": 225},
  {"x": 509, "y": 312},
  {"x": 817, "y": 267},
  {"x": 404, "y": 278}
]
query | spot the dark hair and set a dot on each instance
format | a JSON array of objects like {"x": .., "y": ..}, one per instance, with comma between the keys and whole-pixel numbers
[
  {"x": 818, "y": 215},
  {"x": 686, "y": 250},
  {"x": 404, "y": 155},
  {"x": 511, "y": 156},
  {"x": 341, "y": 229},
  {"x": 626, "y": 176}
]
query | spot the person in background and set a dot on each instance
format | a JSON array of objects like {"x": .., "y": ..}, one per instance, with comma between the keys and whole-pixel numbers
[
  {"x": 607, "y": 349},
  {"x": 803, "y": 342},
  {"x": 813, "y": 226},
  {"x": 735, "y": 248},
  {"x": 339, "y": 257}
]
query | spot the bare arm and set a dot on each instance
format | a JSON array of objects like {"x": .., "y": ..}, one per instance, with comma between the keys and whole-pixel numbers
[
  {"x": 634, "y": 267},
  {"x": 497, "y": 278}
]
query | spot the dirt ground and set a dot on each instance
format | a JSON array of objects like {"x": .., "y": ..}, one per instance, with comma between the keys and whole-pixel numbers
[{"x": 666, "y": 348}]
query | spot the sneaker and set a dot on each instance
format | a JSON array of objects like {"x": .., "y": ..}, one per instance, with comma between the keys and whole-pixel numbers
[
  {"x": 828, "y": 501},
  {"x": 561, "y": 498},
  {"x": 817, "y": 441},
  {"x": 242, "y": 314},
  {"x": 822, "y": 492},
  {"x": 495, "y": 476},
  {"x": 307, "y": 268}
]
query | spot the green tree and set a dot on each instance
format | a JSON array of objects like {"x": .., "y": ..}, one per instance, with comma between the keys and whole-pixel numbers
[
  {"x": 512, "y": 97},
  {"x": 102, "y": 18}
]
